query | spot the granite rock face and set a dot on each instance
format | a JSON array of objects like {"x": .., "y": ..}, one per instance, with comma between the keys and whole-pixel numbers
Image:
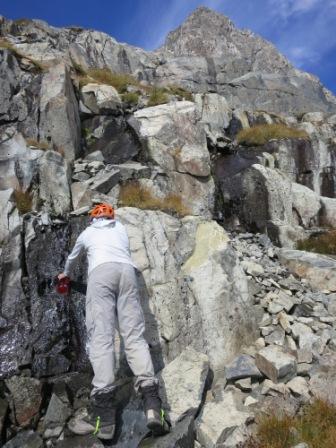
[{"x": 234, "y": 325}]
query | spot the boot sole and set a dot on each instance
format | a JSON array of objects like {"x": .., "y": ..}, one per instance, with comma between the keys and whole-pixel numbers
[
  {"x": 107, "y": 434},
  {"x": 157, "y": 428}
]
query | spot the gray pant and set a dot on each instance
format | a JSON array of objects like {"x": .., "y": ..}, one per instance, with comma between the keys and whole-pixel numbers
[{"x": 112, "y": 292}]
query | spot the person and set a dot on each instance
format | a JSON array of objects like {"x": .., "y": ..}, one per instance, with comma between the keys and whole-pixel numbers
[{"x": 112, "y": 293}]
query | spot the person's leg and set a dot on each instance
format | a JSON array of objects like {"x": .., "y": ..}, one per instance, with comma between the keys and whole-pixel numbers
[
  {"x": 100, "y": 322},
  {"x": 132, "y": 328}
]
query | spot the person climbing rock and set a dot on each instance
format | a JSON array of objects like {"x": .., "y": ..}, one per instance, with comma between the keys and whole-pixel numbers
[{"x": 112, "y": 293}]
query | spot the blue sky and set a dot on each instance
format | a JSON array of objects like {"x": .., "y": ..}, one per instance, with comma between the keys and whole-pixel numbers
[{"x": 304, "y": 30}]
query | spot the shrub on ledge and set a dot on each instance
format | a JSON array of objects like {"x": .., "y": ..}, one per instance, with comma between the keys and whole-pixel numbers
[
  {"x": 324, "y": 243},
  {"x": 23, "y": 200},
  {"x": 157, "y": 96},
  {"x": 132, "y": 194},
  {"x": 263, "y": 133},
  {"x": 119, "y": 81}
]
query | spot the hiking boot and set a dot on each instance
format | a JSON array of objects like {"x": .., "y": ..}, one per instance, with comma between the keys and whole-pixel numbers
[
  {"x": 155, "y": 415},
  {"x": 99, "y": 418}
]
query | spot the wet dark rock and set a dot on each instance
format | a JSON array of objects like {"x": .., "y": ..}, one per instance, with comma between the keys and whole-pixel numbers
[
  {"x": 25, "y": 439},
  {"x": 182, "y": 436},
  {"x": 27, "y": 398},
  {"x": 3, "y": 414},
  {"x": 112, "y": 136},
  {"x": 80, "y": 442},
  {"x": 131, "y": 427}
]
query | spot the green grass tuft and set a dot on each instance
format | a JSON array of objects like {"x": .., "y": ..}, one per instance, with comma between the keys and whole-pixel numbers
[
  {"x": 158, "y": 96},
  {"x": 130, "y": 98}
]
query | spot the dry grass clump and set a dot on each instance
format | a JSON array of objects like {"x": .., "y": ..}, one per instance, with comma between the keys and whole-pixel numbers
[
  {"x": 322, "y": 244},
  {"x": 119, "y": 81},
  {"x": 316, "y": 427},
  {"x": 39, "y": 144},
  {"x": 263, "y": 133},
  {"x": 21, "y": 22},
  {"x": 158, "y": 96},
  {"x": 5, "y": 44},
  {"x": 181, "y": 92},
  {"x": 132, "y": 194},
  {"x": 273, "y": 432},
  {"x": 130, "y": 98},
  {"x": 23, "y": 200}
]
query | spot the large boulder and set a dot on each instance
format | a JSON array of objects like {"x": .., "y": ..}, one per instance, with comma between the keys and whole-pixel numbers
[
  {"x": 171, "y": 133},
  {"x": 19, "y": 97},
  {"x": 59, "y": 117},
  {"x": 182, "y": 384},
  {"x": 218, "y": 285},
  {"x": 175, "y": 141},
  {"x": 318, "y": 270},
  {"x": 215, "y": 114},
  {"x": 100, "y": 99},
  {"x": 27, "y": 398},
  {"x": 18, "y": 163},
  {"x": 222, "y": 423},
  {"x": 112, "y": 136},
  {"x": 328, "y": 212},
  {"x": 306, "y": 206},
  {"x": 54, "y": 188},
  {"x": 260, "y": 198}
]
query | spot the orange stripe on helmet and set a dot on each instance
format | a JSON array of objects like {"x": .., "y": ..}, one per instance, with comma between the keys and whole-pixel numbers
[{"x": 102, "y": 210}]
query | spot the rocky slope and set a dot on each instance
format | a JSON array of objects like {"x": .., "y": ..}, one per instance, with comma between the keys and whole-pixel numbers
[{"x": 229, "y": 323}]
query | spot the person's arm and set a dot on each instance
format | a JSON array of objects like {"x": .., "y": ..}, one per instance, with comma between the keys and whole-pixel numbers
[{"x": 79, "y": 246}]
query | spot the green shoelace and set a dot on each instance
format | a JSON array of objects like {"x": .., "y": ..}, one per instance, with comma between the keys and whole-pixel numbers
[{"x": 97, "y": 426}]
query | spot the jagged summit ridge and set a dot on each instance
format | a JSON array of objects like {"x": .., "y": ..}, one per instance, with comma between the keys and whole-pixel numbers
[
  {"x": 211, "y": 34},
  {"x": 207, "y": 53}
]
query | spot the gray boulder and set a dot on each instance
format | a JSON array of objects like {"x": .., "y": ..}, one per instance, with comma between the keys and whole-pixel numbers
[
  {"x": 25, "y": 439},
  {"x": 276, "y": 364},
  {"x": 54, "y": 190},
  {"x": 112, "y": 136},
  {"x": 222, "y": 423},
  {"x": 59, "y": 116},
  {"x": 318, "y": 270},
  {"x": 100, "y": 99},
  {"x": 27, "y": 397},
  {"x": 182, "y": 384},
  {"x": 217, "y": 283}
]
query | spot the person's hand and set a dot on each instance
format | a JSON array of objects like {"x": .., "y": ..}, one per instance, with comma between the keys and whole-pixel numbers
[{"x": 61, "y": 275}]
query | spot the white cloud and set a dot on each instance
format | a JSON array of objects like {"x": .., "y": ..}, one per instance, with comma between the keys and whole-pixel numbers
[
  {"x": 303, "y": 55},
  {"x": 287, "y": 8}
]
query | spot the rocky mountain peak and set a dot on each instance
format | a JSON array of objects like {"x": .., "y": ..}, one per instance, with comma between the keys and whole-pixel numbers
[{"x": 199, "y": 34}]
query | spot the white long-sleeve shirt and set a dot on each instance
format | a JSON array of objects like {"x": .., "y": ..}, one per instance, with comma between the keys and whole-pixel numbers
[{"x": 103, "y": 241}]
